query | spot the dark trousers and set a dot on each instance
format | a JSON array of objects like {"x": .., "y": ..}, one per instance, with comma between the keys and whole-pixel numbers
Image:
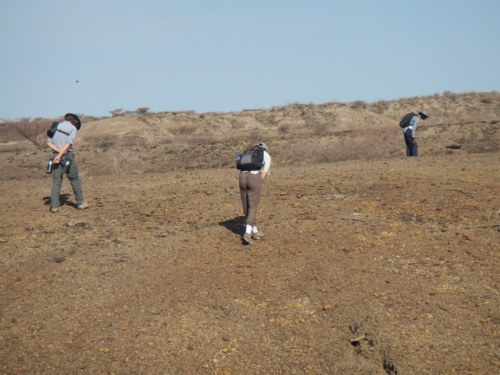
[
  {"x": 250, "y": 188},
  {"x": 411, "y": 149},
  {"x": 74, "y": 180}
]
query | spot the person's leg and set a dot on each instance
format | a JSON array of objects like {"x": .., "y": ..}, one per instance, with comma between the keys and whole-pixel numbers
[
  {"x": 57, "y": 178},
  {"x": 244, "y": 192},
  {"x": 414, "y": 150},
  {"x": 255, "y": 187},
  {"x": 75, "y": 182},
  {"x": 408, "y": 138}
]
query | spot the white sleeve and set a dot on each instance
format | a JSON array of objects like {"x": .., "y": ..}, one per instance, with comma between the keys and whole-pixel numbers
[{"x": 267, "y": 162}]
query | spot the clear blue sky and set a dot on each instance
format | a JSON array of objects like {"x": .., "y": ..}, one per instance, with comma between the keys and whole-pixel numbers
[{"x": 230, "y": 55}]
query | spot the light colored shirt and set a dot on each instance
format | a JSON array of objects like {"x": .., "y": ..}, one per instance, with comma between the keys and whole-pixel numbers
[
  {"x": 60, "y": 139},
  {"x": 412, "y": 125}
]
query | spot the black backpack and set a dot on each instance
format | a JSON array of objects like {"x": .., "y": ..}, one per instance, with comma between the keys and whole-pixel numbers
[
  {"x": 53, "y": 129},
  {"x": 405, "y": 121},
  {"x": 251, "y": 159}
]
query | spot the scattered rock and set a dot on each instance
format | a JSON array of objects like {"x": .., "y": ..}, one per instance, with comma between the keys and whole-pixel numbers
[
  {"x": 78, "y": 223},
  {"x": 59, "y": 259},
  {"x": 389, "y": 367},
  {"x": 470, "y": 236}
]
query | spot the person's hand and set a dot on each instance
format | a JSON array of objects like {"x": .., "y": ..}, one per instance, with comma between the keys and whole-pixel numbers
[
  {"x": 414, "y": 141},
  {"x": 57, "y": 159}
]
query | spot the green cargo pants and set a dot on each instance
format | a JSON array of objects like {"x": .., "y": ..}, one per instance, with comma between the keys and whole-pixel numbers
[{"x": 74, "y": 179}]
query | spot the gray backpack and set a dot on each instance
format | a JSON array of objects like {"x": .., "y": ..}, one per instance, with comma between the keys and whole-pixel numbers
[
  {"x": 405, "y": 121},
  {"x": 251, "y": 159}
]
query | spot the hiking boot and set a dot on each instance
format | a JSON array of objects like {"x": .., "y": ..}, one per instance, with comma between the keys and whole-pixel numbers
[
  {"x": 54, "y": 209},
  {"x": 83, "y": 205},
  {"x": 257, "y": 236},
  {"x": 247, "y": 239}
]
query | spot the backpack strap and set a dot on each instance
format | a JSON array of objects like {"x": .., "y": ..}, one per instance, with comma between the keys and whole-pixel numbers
[{"x": 62, "y": 131}]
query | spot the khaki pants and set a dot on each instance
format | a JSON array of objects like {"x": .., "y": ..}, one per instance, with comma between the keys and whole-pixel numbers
[{"x": 250, "y": 188}]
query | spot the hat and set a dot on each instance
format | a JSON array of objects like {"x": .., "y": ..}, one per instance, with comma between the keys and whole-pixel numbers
[
  {"x": 423, "y": 114},
  {"x": 263, "y": 145},
  {"x": 71, "y": 116}
]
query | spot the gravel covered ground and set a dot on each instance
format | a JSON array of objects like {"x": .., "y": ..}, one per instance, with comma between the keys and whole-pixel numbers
[{"x": 376, "y": 267}]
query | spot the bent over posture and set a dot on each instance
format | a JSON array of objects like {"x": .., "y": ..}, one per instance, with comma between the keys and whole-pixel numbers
[
  {"x": 250, "y": 188},
  {"x": 61, "y": 143},
  {"x": 409, "y": 132}
]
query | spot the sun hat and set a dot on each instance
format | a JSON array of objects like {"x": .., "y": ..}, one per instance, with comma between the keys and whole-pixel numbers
[
  {"x": 263, "y": 145},
  {"x": 69, "y": 116},
  {"x": 423, "y": 114}
]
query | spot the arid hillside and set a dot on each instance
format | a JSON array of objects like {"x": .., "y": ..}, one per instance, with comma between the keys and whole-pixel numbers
[
  {"x": 298, "y": 133},
  {"x": 372, "y": 263}
]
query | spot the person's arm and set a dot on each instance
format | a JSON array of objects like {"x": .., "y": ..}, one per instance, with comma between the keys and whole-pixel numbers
[
  {"x": 267, "y": 165},
  {"x": 65, "y": 149},
  {"x": 69, "y": 143},
  {"x": 53, "y": 146},
  {"x": 414, "y": 123}
]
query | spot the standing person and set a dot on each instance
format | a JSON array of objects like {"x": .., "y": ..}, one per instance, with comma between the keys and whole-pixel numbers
[
  {"x": 250, "y": 188},
  {"x": 61, "y": 143},
  {"x": 409, "y": 131}
]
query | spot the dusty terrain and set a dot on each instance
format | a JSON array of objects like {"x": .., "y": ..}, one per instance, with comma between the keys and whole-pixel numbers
[{"x": 372, "y": 263}]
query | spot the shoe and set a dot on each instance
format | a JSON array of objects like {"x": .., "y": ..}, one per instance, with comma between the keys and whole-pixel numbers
[
  {"x": 257, "y": 236},
  {"x": 54, "y": 209},
  {"x": 247, "y": 239},
  {"x": 83, "y": 205}
]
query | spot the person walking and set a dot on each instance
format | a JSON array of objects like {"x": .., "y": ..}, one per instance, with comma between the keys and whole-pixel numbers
[
  {"x": 250, "y": 189},
  {"x": 409, "y": 132},
  {"x": 63, "y": 161}
]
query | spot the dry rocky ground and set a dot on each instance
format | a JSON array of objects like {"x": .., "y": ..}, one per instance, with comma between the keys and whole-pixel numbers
[{"x": 377, "y": 265}]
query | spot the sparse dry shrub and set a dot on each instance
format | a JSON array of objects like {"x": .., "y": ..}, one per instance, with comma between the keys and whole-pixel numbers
[
  {"x": 188, "y": 139},
  {"x": 204, "y": 139},
  {"x": 132, "y": 141},
  {"x": 256, "y": 135},
  {"x": 235, "y": 124},
  {"x": 142, "y": 110},
  {"x": 235, "y": 139},
  {"x": 380, "y": 106},
  {"x": 117, "y": 112},
  {"x": 176, "y": 148},
  {"x": 295, "y": 152},
  {"x": 320, "y": 129},
  {"x": 85, "y": 118},
  {"x": 196, "y": 140},
  {"x": 284, "y": 129},
  {"x": 125, "y": 162},
  {"x": 490, "y": 98},
  {"x": 34, "y": 131},
  {"x": 450, "y": 95},
  {"x": 366, "y": 144},
  {"x": 324, "y": 153},
  {"x": 184, "y": 129},
  {"x": 358, "y": 104},
  {"x": 102, "y": 142},
  {"x": 107, "y": 143},
  {"x": 166, "y": 140}
]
